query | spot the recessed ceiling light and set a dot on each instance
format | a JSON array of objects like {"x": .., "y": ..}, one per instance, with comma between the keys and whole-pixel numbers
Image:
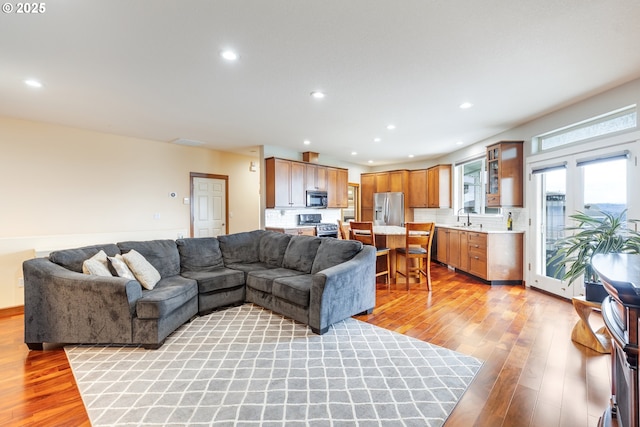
[
  {"x": 377, "y": 139},
  {"x": 459, "y": 143},
  {"x": 369, "y": 161},
  {"x": 411, "y": 156},
  {"x": 466, "y": 105},
  {"x": 229, "y": 55},
  {"x": 318, "y": 94},
  {"x": 306, "y": 142},
  {"x": 33, "y": 83},
  {"x": 391, "y": 127},
  {"x": 353, "y": 153}
]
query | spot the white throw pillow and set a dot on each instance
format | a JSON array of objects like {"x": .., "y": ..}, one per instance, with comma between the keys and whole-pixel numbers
[
  {"x": 121, "y": 267},
  {"x": 145, "y": 273},
  {"x": 97, "y": 265}
]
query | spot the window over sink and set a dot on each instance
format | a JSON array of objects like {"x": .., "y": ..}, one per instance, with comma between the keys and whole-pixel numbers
[{"x": 470, "y": 188}]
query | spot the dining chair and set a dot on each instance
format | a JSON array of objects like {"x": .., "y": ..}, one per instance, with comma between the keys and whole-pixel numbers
[
  {"x": 343, "y": 233},
  {"x": 363, "y": 232},
  {"x": 419, "y": 236}
]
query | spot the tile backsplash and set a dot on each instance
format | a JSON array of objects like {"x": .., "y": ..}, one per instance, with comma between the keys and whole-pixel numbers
[
  {"x": 490, "y": 222},
  {"x": 289, "y": 217}
]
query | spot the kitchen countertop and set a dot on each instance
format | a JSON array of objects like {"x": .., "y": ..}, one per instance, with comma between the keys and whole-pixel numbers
[
  {"x": 478, "y": 229},
  {"x": 391, "y": 230}
]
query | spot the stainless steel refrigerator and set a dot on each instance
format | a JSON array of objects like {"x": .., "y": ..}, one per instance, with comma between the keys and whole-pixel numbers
[{"x": 388, "y": 209}]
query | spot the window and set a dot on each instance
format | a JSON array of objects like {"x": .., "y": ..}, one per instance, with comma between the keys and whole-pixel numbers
[
  {"x": 615, "y": 121},
  {"x": 470, "y": 187}
]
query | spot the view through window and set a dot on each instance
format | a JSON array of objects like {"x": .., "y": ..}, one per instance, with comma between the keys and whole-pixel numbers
[{"x": 471, "y": 191}]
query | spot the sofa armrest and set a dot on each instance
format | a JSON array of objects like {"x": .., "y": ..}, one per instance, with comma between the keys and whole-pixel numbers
[
  {"x": 64, "y": 306},
  {"x": 343, "y": 290}
]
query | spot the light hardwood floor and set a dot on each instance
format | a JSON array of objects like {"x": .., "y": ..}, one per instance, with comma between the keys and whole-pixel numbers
[{"x": 533, "y": 374}]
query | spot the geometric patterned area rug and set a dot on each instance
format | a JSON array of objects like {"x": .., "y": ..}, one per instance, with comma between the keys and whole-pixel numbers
[{"x": 247, "y": 366}]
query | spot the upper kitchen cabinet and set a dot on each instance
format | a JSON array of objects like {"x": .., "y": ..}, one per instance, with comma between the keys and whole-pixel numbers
[
  {"x": 285, "y": 186},
  {"x": 367, "y": 188},
  {"x": 337, "y": 187},
  {"x": 316, "y": 177},
  {"x": 504, "y": 170},
  {"x": 439, "y": 186},
  {"x": 430, "y": 188},
  {"x": 418, "y": 188},
  {"x": 394, "y": 181}
]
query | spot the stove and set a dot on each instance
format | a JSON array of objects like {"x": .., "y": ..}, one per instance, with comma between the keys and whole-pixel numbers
[{"x": 323, "y": 229}]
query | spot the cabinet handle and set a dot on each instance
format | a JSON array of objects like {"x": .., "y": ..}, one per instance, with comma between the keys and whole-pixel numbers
[{"x": 476, "y": 257}]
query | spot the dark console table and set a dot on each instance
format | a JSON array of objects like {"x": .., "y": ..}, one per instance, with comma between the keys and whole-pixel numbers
[{"x": 620, "y": 274}]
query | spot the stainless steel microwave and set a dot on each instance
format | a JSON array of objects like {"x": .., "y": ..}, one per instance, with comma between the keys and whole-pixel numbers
[{"x": 316, "y": 199}]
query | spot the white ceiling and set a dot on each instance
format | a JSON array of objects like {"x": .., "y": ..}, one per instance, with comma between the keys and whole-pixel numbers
[{"x": 152, "y": 69}]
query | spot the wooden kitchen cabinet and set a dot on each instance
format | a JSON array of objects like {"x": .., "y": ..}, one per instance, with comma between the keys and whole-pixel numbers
[
  {"x": 442, "y": 243},
  {"x": 454, "y": 248},
  {"x": 439, "y": 186},
  {"x": 316, "y": 177},
  {"x": 367, "y": 188},
  {"x": 285, "y": 186},
  {"x": 504, "y": 174},
  {"x": 287, "y": 183},
  {"x": 418, "y": 188},
  {"x": 337, "y": 188},
  {"x": 496, "y": 256},
  {"x": 493, "y": 257}
]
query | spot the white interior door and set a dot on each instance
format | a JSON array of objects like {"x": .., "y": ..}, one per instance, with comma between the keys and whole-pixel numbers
[{"x": 209, "y": 207}]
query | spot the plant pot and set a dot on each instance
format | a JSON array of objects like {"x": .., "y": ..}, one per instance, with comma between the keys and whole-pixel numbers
[{"x": 594, "y": 292}]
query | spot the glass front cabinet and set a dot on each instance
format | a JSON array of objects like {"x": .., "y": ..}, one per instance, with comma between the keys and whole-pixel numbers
[{"x": 505, "y": 174}]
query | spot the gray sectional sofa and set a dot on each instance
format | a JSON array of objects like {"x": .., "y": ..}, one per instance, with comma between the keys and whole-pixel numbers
[{"x": 316, "y": 281}]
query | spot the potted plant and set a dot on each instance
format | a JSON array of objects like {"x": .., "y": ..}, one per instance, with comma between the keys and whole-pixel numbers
[{"x": 595, "y": 233}]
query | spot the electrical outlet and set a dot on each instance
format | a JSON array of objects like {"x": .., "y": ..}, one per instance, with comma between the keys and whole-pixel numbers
[{"x": 21, "y": 282}]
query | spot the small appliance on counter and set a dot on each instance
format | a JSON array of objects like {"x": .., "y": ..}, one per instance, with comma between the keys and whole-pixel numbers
[{"x": 322, "y": 229}]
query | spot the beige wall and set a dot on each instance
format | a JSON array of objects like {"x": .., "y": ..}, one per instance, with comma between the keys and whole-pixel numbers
[{"x": 62, "y": 187}]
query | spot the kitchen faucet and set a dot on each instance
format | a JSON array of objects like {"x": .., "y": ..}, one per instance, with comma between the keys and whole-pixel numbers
[{"x": 468, "y": 223}]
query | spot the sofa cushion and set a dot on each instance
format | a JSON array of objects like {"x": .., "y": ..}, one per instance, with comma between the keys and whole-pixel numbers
[
  {"x": 215, "y": 280},
  {"x": 162, "y": 254},
  {"x": 272, "y": 247},
  {"x": 241, "y": 247},
  {"x": 294, "y": 289},
  {"x": 200, "y": 254},
  {"x": 333, "y": 252},
  {"x": 72, "y": 259},
  {"x": 98, "y": 265},
  {"x": 301, "y": 252},
  {"x": 168, "y": 295},
  {"x": 263, "y": 279},
  {"x": 145, "y": 273},
  {"x": 121, "y": 267}
]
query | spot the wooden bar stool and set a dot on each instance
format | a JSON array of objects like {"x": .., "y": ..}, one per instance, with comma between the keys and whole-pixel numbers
[
  {"x": 419, "y": 236},
  {"x": 363, "y": 231}
]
